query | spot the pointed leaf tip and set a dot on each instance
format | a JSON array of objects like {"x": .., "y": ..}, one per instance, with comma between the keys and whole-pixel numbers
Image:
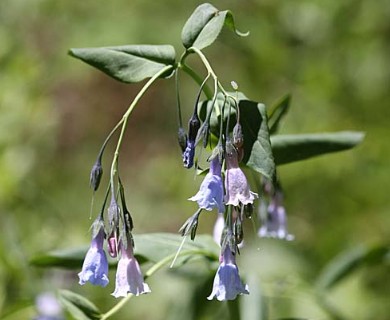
[
  {"x": 296, "y": 147},
  {"x": 130, "y": 63},
  {"x": 204, "y": 26}
]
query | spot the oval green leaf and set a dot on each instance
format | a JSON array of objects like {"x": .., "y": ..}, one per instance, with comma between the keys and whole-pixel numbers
[
  {"x": 204, "y": 26},
  {"x": 131, "y": 63},
  {"x": 296, "y": 147}
]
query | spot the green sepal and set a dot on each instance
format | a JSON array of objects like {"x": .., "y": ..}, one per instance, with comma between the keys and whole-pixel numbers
[
  {"x": 129, "y": 63},
  {"x": 204, "y": 26},
  {"x": 78, "y": 306},
  {"x": 296, "y": 147}
]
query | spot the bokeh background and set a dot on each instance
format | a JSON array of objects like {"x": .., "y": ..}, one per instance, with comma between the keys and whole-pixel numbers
[{"x": 332, "y": 56}]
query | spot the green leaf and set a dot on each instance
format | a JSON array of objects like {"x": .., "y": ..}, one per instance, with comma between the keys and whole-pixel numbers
[
  {"x": 204, "y": 26},
  {"x": 66, "y": 258},
  {"x": 257, "y": 146},
  {"x": 261, "y": 158},
  {"x": 131, "y": 63},
  {"x": 148, "y": 248},
  {"x": 278, "y": 112},
  {"x": 296, "y": 147},
  {"x": 79, "y": 307},
  {"x": 347, "y": 262}
]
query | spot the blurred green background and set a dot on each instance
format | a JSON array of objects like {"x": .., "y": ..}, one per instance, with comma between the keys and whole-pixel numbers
[{"x": 332, "y": 56}]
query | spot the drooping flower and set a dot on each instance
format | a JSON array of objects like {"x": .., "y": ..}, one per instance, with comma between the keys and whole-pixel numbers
[
  {"x": 274, "y": 220},
  {"x": 236, "y": 184},
  {"x": 227, "y": 283},
  {"x": 210, "y": 194},
  {"x": 95, "y": 266},
  {"x": 129, "y": 278}
]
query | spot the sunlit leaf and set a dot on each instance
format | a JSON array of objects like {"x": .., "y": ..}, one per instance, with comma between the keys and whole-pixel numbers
[
  {"x": 347, "y": 262},
  {"x": 131, "y": 63},
  {"x": 296, "y": 147},
  {"x": 78, "y": 306},
  {"x": 204, "y": 26}
]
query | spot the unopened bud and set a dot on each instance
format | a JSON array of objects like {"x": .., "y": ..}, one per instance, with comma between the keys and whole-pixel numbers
[
  {"x": 112, "y": 245},
  {"x": 96, "y": 175},
  {"x": 193, "y": 127}
]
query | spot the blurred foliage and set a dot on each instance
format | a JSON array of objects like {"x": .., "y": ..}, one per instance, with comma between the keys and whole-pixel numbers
[{"x": 332, "y": 56}]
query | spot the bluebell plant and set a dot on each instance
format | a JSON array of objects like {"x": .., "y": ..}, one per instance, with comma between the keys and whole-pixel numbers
[{"x": 235, "y": 133}]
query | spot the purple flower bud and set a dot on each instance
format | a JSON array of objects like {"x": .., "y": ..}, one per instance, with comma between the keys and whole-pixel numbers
[
  {"x": 95, "y": 266},
  {"x": 236, "y": 184},
  {"x": 227, "y": 283},
  {"x": 112, "y": 244},
  {"x": 210, "y": 194},
  {"x": 96, "y": 175},
  {"x": 193, "y": 127},
  {"x": 129, "y": 278}
]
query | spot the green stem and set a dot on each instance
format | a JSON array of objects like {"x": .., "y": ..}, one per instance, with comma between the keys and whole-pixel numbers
[
  {"x": 197, "y": 78},
  {"x": 124, "y": 120},
  {"x": 153, "y": 269}
]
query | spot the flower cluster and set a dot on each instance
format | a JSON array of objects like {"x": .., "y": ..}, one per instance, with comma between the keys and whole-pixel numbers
[
  {"x": 129, "y": 278},
  {"x": 226, "y": 189}
]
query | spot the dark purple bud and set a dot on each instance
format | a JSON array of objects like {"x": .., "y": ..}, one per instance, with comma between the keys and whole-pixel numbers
[
  {"x": 193, "y": 127},
  {"x": 96, "y": 174},
  {"x": 182, "y": 138}
]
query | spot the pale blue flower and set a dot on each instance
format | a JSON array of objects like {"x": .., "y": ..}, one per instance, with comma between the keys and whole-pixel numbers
[
  {"x": 274, "y": 220},
  {"x": 227, "y": 283},
  {"x": 95, "y": 266},
  {"x": 236, "y": 184},
  {"x": 210, "y": 194},
  {"x": 129, "y": 278}
]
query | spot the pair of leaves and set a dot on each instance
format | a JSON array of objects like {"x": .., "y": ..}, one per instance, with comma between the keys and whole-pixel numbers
[
  {"x": 134, "y": 63},
  {"x": 204, "y": 26}
]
